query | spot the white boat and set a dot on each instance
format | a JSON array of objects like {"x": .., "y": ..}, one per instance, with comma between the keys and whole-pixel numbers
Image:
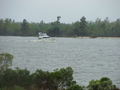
[{"x": 42, "y": 35}]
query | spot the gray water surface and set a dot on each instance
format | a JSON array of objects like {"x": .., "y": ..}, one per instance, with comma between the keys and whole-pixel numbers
[{"x": 89, "y": 58}]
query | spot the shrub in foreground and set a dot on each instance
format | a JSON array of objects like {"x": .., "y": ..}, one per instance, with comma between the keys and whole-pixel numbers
[
  {"x": 21, "y": 79},
  {"x": 53, "y": 80},
  {"x": 103, "y": 84},
  {"x": 75, "y": 87},
  {"x": 12, "y": 88},
  {"x": 42, "y": 80}
]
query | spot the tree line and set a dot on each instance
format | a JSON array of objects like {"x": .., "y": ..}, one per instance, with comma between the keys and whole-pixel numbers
[{"x": 82, "y": 27}]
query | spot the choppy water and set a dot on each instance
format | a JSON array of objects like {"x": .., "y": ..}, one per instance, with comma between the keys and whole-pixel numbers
[{"x": 89, "y": 58}]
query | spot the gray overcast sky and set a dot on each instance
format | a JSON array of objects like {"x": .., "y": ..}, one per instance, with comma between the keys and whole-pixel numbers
[{"x": 69, "y": 10}]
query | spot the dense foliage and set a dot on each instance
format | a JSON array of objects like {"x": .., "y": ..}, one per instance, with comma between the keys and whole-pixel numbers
[
  {"x": 21, "y": 79},
  {"x": 103, "y": 84},
  {"x": 41, "y": 80},
  {"x": 83, "y": 27}
]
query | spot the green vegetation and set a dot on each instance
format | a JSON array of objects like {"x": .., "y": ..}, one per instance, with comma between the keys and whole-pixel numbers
[
  {"x": 21, "y": 79},
  {"x": 59, "y": 79},
  {"x": 40, "y": 80},
  {"x": 75, "y": 87},
  {"x": 5, "y": 61},
  {"x": 103, "y": 84},
  {"x": 83, "y": 27}
]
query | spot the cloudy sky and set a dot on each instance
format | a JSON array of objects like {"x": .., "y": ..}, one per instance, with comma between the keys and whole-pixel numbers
[{"x": 69, "y": 10}]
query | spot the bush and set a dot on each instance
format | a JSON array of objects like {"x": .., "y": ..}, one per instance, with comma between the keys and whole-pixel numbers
[
  {"x": 75, "y": 87},
  {"x": 40, "y": 79},
  {"x": 12, "y": 88},
  {"x": 103, "y": 84},
  {"x": 53, "y": 80},
  {"x": 18, "y": 77},
  {"x": 21, "y": 79}
]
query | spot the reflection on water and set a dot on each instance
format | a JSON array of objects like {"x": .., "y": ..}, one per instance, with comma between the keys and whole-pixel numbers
[{"x": 89, "y": 58}]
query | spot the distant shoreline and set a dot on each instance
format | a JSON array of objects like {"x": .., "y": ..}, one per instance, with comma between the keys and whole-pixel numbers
[
  {"x": 101, "y": 37},
  {"x": 85, "y": 37}
]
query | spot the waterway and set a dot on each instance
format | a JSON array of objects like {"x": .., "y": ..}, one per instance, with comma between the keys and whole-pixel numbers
[{"x": 89, "y": 58}]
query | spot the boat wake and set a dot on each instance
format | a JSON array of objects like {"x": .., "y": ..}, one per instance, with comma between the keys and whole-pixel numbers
[{"x": 43, "y": 40}]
